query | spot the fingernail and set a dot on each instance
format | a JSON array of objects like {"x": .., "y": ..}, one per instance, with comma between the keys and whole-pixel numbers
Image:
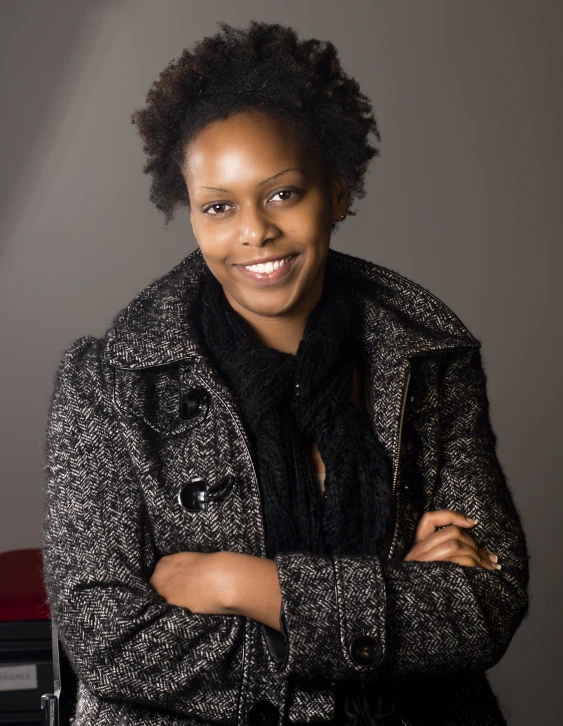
[
  {"x": 473, "y": 521},
  {"x": 498, "y": 567},
  {"x": 493, "y": 557}
]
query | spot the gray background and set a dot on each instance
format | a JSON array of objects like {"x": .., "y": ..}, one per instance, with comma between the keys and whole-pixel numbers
[{"x": 465, "y": 200}]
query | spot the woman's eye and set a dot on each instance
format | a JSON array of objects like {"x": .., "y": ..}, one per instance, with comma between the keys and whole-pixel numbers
[
  {"x": 219, "y": 204},
  {"x": 224, "y": 204},
  {"x": 285, "y": 191}
]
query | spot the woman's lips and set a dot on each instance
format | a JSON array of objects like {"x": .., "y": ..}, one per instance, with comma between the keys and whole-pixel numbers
[{"x": 263, "y": 278}]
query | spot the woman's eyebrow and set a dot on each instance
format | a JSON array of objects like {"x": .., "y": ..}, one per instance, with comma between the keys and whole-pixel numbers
[{"x": 265, "y": 181}]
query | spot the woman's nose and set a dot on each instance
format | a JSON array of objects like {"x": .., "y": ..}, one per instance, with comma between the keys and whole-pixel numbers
[{"x": 255, "y": 226}]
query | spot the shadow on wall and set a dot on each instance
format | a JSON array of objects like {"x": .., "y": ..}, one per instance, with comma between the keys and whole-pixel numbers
[{"x": 38, "y": 41}]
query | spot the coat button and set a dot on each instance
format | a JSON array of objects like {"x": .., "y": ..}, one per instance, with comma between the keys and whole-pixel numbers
[
  {"x": 263, "y": 713},
  {"x": 192, "y": 495},
  {"x": 365, "y": 650},
  {"x": 192, "y": 403}
]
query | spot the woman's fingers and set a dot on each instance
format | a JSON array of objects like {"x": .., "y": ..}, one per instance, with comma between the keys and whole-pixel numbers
[
  {"x": 441, "y": 535},
  {"x": 470, "y": 562},
  {"x": 430, "y": 521},
  {"x": 451, "y": 532},
  {"x": 467, "y": 561},
  {"x": 455, "y": 550}
]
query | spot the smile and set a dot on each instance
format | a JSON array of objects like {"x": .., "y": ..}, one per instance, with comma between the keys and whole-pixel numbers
[{"x": 269, "y": 272}]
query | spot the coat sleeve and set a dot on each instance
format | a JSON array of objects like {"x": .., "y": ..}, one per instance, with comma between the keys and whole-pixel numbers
[
  {"x": 124, "y": 640},
  {"x": 419, "y": 617}
]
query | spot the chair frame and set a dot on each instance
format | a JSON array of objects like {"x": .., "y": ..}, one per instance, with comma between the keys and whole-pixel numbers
[{"x": 58, "y": 707}]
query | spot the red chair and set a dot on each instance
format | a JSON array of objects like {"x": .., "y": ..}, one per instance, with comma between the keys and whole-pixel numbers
[{"x": 29, "y": 647}]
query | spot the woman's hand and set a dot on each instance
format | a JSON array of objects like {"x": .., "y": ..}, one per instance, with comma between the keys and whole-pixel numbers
[
  {"x": 220, "y": 583},
  {"x": 198, "y": 581},
  {"x": 451, "y": 543}
]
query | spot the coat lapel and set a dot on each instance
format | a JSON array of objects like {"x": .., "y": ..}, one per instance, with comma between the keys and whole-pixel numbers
[{"x": 399, "y": 320}]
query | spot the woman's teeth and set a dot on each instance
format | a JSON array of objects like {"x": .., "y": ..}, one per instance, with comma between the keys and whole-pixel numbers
[{"x": 268, "y": 267}]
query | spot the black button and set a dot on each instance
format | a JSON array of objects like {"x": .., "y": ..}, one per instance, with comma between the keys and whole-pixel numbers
[
  {"x": 263, "y": 713},
  {"x": 365, "y": 650},
  {"x": 192, "y": 403},
  {"x": 192, "y": 495},
  {"x": 221, "y": 488}
]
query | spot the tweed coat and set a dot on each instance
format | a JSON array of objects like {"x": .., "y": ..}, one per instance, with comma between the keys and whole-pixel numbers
[{"x": 147, "y": 455}]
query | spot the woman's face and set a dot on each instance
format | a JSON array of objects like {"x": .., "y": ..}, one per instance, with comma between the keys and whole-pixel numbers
[{"x": 255, "y": 196}]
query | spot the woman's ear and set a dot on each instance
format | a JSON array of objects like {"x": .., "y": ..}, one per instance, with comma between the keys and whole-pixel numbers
[{"x": 340, "y": 196}]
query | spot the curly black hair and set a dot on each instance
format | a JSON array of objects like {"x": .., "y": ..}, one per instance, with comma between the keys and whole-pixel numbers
[{"x": 267, "y": 68}]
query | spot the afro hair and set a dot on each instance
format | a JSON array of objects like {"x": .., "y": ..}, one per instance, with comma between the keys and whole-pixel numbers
[{"x": 264, "y": 67}]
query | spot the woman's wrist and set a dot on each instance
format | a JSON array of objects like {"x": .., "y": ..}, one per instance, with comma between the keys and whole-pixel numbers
[
  {"x": 225, "y": 582},
  {"x": 249, "y": 586}
]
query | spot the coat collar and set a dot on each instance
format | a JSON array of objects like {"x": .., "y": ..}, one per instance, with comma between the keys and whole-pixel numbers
[{"x": 397, "y": 315}]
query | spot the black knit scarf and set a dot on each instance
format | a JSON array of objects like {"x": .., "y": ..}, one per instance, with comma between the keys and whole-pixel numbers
[{"x": 288, "y": 400}]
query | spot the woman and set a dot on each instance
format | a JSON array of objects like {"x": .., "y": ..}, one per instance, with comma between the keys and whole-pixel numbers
[{"x": 272, "y": 492}]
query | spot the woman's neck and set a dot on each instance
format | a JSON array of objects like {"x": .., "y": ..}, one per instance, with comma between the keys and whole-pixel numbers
[{"x": 282, "y": 332}]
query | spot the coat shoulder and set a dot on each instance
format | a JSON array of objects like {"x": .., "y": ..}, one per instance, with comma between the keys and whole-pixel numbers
[
  {"x": 81, "y": 368},
  {"x": 406, "y": 304}
]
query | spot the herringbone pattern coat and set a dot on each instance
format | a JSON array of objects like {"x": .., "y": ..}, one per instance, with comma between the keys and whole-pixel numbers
[{"x": 119, "y": 454}]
